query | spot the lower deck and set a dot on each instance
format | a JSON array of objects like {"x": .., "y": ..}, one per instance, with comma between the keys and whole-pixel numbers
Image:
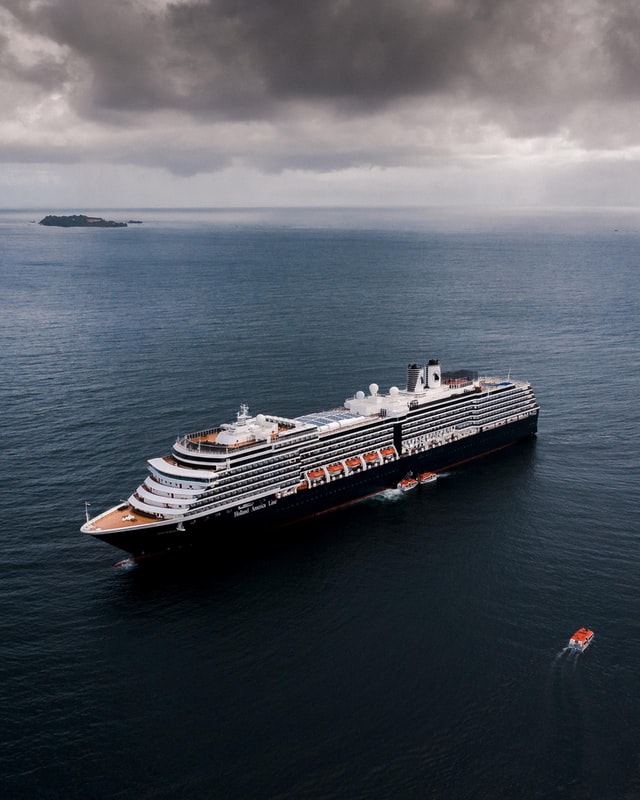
[{"x": 123, "y": 517}]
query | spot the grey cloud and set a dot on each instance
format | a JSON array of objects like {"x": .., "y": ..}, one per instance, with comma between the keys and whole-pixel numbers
[
  {"x": 242, "y": 58},
  {"x": 528, "y": 67},
  {"x": 45, "y": 71}
]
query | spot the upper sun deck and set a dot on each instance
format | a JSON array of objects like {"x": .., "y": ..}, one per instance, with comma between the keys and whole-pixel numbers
[
  {"x": 424, "y": 386},
  {"x": 246, "y": 432}
]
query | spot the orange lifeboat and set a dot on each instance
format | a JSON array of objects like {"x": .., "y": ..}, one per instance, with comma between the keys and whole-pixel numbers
[
  {"x": 371, "y": 457},
  {"x": 335, "y": 469},
  {"x": 388, "y": 451},
  {"x": 407, "y": 484},
  {"x": 315, "y": 474},
  {"x": 353, "y": 462},
  {"x": 427, "y": 477},
  {"x": 581, "y": 639}
]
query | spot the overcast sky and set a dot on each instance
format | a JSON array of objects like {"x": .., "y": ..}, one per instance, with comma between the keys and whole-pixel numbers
[{"x": 314, "y": 102}]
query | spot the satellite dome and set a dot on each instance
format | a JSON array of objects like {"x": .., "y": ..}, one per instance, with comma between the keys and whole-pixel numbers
[
  {"x": 393, "y": 391},
  {"x": 360, "y": 395},
  {"x": 373, "y": 388}
]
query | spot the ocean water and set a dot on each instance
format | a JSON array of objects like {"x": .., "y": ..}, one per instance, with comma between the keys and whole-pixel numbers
[{"x": 408, "y": 647}]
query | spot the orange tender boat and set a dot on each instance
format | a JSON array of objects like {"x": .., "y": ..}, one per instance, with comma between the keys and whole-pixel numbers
[
  {"x": 407, "y": 484},
  {"x": 581, "y": 639}
]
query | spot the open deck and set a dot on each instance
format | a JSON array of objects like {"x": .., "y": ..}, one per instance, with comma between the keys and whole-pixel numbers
[
  {"x": 123, "y": 517},
  {"x": 204, "y": 438}
]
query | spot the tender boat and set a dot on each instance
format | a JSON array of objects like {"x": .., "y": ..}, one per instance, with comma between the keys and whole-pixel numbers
[
  {"x": 427, "y": 477},
  {"x": 407, "y": 484},
  {"x": 581, "y": 639}
]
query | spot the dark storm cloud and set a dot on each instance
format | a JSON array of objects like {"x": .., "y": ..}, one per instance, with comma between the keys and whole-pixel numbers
[
  {"x": 351, "y": 53},
  {"x": 295, "y": 83},
  {"x": 243, "y": 58}
]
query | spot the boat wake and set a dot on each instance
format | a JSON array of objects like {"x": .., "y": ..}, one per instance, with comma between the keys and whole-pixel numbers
[
  {"x": 569, "y": 657},
  {"x": 569, "y": 724},
  {"x": 126, "y": 564},
  {"x": 388, "y": 496}
]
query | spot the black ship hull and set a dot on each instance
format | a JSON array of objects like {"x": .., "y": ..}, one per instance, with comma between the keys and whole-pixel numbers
[{"x": 217, "y": 530}]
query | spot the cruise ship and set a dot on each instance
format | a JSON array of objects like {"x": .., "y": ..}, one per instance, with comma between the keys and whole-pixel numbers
[{"x": 263, "y": 472}]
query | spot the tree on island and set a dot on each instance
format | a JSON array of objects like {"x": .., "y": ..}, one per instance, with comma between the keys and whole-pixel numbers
[{"x": 80, "y": 221}]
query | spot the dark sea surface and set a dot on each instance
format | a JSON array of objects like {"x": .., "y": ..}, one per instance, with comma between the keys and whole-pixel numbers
[{"x": 407, "y": 647}]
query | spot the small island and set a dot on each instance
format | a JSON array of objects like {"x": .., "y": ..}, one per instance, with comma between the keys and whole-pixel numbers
[{"x": 80, "y": 221}]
